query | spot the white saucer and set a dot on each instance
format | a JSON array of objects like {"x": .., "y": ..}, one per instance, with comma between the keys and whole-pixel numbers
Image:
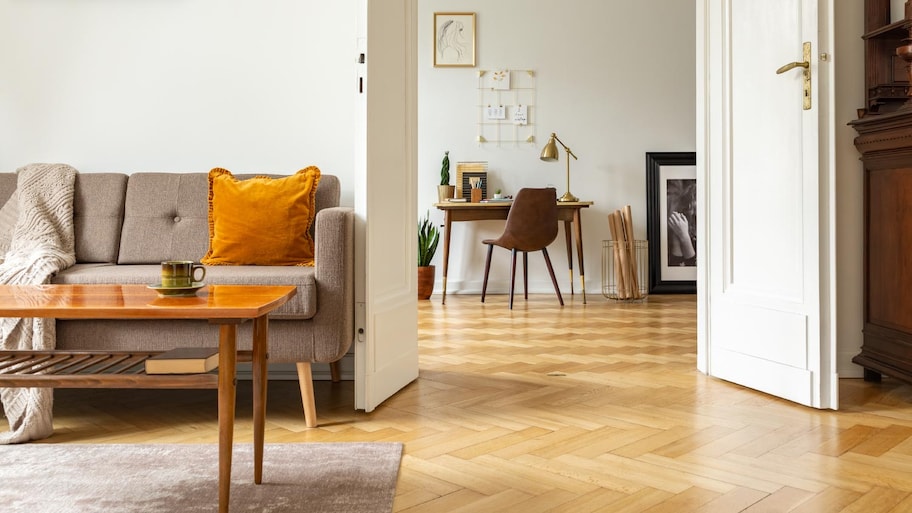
[{"x": 177, "y": 291}]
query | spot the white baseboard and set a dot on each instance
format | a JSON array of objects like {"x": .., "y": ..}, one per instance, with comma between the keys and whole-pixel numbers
[{"x": 288, "y": 371}]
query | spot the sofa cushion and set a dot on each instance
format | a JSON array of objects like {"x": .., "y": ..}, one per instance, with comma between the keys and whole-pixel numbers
[
  {"x": 98, "y": 210},
  {"x": 165, "y": 218},
  {"x": 98, "y": 213},
  {"x": 262, "y": 220},
  {"x": 302, "y": 306}
]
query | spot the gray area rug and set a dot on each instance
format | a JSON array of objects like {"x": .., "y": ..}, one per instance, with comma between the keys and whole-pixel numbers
[{"x": 111, "y": 478}]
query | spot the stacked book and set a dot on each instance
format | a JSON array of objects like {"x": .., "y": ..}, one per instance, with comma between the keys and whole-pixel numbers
[
  {"x": 184, "y": 360},
  {"x": 625, "y": 262}
]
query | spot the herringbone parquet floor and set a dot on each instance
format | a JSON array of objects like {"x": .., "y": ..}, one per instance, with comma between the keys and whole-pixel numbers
[{"x": 586, "y": 408}]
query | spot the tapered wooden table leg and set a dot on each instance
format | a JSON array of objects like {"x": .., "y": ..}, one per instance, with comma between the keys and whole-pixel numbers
[
  {"x": 447, "y": 225},
  {"x": 227, "y": 392},
  {"x": 578, "y": 221},
  {"x": 260, "y": 372},
  {"x": 568, "y": 237}
]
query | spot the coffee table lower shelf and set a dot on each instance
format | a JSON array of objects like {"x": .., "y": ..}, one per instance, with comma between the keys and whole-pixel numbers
[{"x": 95, "y": 369}]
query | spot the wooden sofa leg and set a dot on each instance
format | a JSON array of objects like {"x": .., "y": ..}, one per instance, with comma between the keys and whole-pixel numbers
[
  {"x": 305, "y": 379},
  {"x": 335, "y": 371}
]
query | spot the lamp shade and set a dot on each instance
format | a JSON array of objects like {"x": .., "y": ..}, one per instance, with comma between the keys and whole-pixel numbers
[{"x": 549, "y": 152}]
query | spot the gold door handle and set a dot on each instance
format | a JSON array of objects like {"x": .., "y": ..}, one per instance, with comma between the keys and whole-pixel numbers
[
  {"x": 793, "y": 65},
  {"x": 806, "y": 73}
]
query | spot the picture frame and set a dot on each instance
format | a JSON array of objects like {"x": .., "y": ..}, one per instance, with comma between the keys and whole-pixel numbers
[
  {"x": 454, "y": 39},
  {"x": 671, "y": 188}
]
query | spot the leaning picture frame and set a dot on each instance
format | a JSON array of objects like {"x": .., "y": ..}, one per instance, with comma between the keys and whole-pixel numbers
[
  {"x": 671, "y": 222},
  {"x": 454, "y": 39}
]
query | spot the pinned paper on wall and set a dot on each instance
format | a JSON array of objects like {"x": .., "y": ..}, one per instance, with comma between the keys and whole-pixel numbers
[
  {"x": 497, "y": 112},
  {"x": 520, "y": 115}
]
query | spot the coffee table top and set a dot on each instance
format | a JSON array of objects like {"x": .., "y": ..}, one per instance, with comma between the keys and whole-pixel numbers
[{"x": 140, "y": 302}]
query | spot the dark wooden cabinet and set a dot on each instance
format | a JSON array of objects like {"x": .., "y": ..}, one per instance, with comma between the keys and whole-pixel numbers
[{"x": 884, "y": 140}]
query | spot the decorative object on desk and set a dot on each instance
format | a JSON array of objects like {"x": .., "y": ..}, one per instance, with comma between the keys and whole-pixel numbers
[
  {"x": 454, "y": 39},
  {"x": 428, "y": 237},
  {"x": 476, "y": 184},
  {"x": 467, "y": 170},
  {"x": 671, "y": 222},
  {"x": 497, "y": 194},
  {"x": 550, "y": 154},
  {"x": 183, "y": 360},
  {"x": 445, "y": 191},
  {"x": 626, "y": 278}
]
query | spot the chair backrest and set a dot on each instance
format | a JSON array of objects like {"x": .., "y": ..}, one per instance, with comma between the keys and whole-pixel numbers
[{"x": 532, "y": 220}]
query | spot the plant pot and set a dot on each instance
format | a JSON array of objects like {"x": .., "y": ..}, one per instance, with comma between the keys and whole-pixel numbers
[
  {"x": 426, "y": 281},
  {"x": 445, "y": 192}
]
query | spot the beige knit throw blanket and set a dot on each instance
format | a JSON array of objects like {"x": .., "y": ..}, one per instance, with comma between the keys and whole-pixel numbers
[{"x": 41, "y": 242}]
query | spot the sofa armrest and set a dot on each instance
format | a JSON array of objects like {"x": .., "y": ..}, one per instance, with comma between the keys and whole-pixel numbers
[{"x": 334, "y": 257}]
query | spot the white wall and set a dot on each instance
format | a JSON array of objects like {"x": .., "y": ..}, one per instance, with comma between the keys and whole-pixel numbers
[
  {"x": 615, "y": 79},
  {"x": 160, "y": 85}
]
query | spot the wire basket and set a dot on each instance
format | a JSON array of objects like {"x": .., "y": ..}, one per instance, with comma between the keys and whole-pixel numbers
[{"x": 625, "y": 269}]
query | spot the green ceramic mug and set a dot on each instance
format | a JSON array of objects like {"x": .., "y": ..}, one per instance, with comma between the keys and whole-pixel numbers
[{"x": 181, "y": 273}]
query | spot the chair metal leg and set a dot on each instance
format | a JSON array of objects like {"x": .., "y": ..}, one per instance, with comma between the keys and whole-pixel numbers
[
  {"x": 526, "y": 275},
  {"x": 512, "y": 276},
  {"x": 553, "y": 279},
  {"x": 484, "y": 285}
]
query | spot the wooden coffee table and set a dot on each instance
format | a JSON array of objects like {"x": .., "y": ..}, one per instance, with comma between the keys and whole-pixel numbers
[{"x": 225, "y": 305}]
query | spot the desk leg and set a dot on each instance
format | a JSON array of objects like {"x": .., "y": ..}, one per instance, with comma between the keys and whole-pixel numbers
[
  {"x": 447, "y": 224},
  {"x": 260, "y": 373},
  {"x": 226, "y": 399},
  {"x": 568, "y": 237},
  {"x": 577, "y": 220}
]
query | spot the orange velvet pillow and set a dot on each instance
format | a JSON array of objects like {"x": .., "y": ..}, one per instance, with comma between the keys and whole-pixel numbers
[{"x": 261, "y": 221}]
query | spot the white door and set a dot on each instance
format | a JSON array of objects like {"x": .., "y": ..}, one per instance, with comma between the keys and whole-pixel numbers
[
  {"x": 766, "y": 274},
  {"x": 386, "y": 294}
]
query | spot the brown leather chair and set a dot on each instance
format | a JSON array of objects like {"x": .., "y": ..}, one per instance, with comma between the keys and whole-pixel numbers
[{"x": 531, "y": 226}]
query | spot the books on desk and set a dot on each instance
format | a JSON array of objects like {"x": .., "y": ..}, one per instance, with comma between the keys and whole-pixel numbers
[
  {"x": 457, "y": 200},
  {"x": 497, "y": 200},
  {"x": 183, "y": 360}
]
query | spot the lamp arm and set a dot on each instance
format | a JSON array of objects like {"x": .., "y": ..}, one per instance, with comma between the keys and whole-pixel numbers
[{"x": 569, "y": 152}]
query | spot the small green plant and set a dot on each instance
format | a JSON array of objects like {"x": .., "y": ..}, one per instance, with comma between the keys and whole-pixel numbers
[
  {"x": 497, "y": 191},
  {"x": 445, "y": 169},
  {"x": 428, "y": 236}
]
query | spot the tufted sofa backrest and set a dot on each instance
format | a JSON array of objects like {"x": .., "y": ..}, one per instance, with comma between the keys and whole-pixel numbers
[
  {"x": 166, "y": 215},
  {"x": 145, "y": 218}
]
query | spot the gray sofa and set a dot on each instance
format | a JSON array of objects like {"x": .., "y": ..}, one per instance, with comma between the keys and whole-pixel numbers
[{"x": 126, "y": 225}]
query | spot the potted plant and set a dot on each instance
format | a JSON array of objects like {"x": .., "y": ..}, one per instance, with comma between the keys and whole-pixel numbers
[
  {"x": 428, "y": 237},
  {"x": 445, "y": 190}
]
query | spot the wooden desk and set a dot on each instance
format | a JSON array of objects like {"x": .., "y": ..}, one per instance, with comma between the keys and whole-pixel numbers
[
  {"x": 567, "y": 211},
  {"x": 225, "y": 305}
]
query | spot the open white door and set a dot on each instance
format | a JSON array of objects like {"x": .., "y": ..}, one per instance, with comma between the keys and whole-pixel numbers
[
  {"x": 386, "y": 344},
  {"x": 766, "y": 274}
]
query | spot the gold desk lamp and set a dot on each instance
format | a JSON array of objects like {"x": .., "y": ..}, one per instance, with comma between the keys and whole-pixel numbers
[{"x": 549, "y": 154}]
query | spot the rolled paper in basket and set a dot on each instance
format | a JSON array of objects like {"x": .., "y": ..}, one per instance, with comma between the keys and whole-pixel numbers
[
  {"x": 618, "y": 262},
  {"x": 631, "y": 251}
]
